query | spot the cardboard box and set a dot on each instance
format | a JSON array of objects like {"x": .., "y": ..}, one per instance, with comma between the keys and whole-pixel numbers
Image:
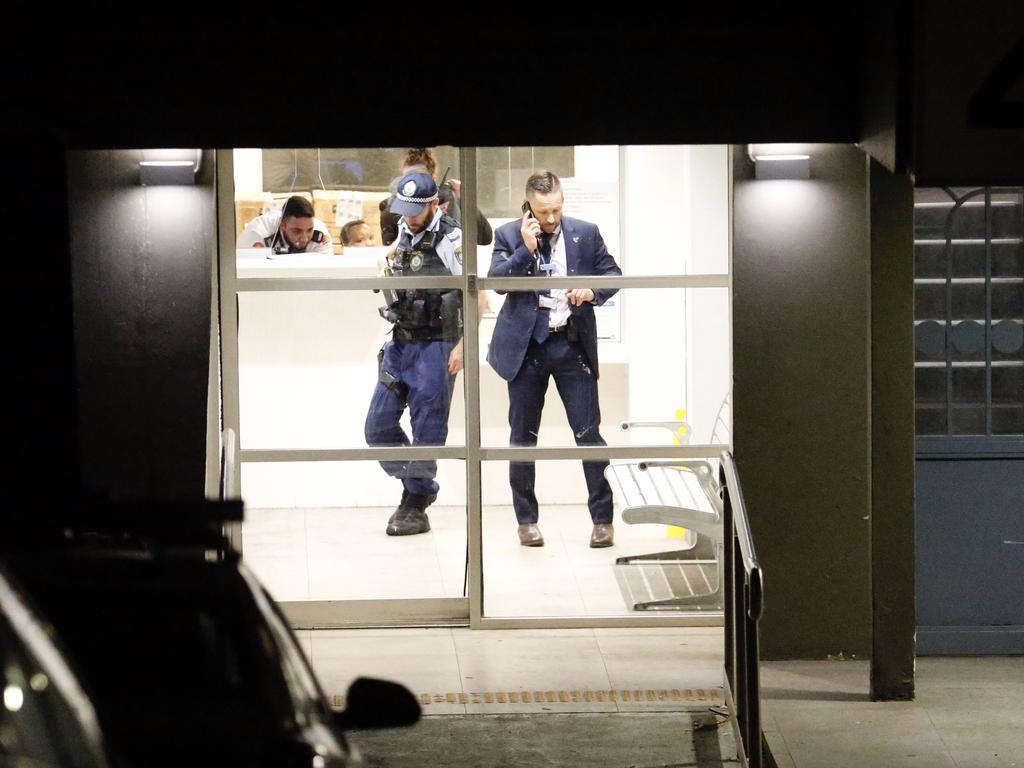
[
  {"x": 371, "y": 212},
  {"x": 278, "y": 199},
  {"x": 247, "y": 209},
  {"x": 325, "y": 205}
]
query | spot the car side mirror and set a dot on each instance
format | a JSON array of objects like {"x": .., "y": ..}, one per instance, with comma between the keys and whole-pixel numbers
[{"x": 372, "y": 703}]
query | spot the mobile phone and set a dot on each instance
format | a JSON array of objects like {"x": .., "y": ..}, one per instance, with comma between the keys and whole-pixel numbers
[
  {"x": 528, "y": 209},
  {"x": 317, "y": 236}
]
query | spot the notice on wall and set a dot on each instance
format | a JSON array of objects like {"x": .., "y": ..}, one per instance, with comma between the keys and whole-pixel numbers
[{"x": 598, "y": 203}]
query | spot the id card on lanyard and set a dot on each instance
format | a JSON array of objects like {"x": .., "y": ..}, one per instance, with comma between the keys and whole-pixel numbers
[{"x": 548, "y": 266}]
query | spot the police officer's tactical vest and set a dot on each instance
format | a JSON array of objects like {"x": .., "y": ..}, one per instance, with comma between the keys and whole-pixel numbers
[{"x": 425, "y": 314}]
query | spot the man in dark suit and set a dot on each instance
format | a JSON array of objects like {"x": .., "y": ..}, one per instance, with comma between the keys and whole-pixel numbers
[{"x": 551, "y": 333}]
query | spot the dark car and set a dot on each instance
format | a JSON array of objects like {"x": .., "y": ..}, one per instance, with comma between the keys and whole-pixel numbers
[
  {"x": 46, "y": 719},
  {"x": 188, "y": 659}
]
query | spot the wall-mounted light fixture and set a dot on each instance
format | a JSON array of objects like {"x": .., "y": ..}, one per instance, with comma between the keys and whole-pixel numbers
[
  {"x": 782, "y": 166},
  {"x": 779, "y": 164},
  {"x": 169, "y": 171}
]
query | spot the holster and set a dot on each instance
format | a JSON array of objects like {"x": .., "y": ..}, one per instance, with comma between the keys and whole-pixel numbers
[{"x": 388, "y": 380}]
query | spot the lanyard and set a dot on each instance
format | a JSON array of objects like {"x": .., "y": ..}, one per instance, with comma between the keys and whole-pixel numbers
[{"x": 546, "y": 261}]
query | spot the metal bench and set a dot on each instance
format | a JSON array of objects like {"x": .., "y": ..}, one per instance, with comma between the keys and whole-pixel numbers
[{"x": 683, "y": 493}]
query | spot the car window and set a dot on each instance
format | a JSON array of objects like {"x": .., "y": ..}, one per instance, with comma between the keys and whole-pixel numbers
[
  {"x": 302, "y": 684},
  {"x": 45, "y": 718}
]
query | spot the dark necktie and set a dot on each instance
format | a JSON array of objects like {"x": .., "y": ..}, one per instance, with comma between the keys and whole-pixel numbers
[{"x": 541, "y": 328}]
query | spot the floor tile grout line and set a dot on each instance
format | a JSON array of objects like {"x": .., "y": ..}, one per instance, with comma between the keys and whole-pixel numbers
[
  {"x": 575, "y": 576},
  {"x": 440, "y": 562},
  {"x": 572, "y": 570},
  {"x": 458, "y": 669},
  {"x": 305, "y": 539}
]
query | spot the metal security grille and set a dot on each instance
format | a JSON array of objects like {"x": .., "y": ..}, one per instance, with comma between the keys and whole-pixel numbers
[{"x": 969, "y": 312}]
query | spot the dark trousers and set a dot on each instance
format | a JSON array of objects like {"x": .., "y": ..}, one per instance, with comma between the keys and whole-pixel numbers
[
  {"x": 424, "y": 384},
  {"x": 577, "y": 386}
]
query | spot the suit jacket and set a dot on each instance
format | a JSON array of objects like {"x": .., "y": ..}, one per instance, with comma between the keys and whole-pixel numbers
[{"x": 585, "y": 254}]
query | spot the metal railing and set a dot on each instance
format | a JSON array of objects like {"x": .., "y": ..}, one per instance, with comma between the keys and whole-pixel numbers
[{"x": 744, "y": 603}]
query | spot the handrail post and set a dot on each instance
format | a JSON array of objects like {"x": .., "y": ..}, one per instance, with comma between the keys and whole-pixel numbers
[{"x": 743, "y": 595}]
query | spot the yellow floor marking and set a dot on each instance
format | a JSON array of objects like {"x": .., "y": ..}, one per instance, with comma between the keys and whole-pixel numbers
[{"x": 573, "y": 696}]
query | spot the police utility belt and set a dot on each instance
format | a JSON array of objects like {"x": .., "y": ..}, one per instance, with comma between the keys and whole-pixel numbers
[{"x": 422, "y": 314}]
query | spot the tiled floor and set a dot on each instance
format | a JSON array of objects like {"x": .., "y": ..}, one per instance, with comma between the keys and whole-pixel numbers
[
  {"x": 969, "y": 712},
  {"x": 459, "y": 671},
  {"x": 340, "y": 554}
]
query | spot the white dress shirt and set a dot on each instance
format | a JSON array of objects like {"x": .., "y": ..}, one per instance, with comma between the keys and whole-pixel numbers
[{"x": 559, "y": 315}]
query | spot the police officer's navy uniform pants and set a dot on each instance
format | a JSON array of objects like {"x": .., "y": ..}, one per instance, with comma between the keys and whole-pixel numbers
[
  {"x": 577, "y": 386},
  {"x": 422, "y": 366}
]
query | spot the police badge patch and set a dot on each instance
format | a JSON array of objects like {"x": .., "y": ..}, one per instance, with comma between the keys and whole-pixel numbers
[
  {"x": 458, "y": 254},
  {"x": 416, "y": 261}
]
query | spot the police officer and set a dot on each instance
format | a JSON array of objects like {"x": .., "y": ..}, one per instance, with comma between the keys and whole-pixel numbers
[
  {"x": 419, "y": 364},
  {"x": 423, "y": 160},
  {"x": 293, "y": 230}
]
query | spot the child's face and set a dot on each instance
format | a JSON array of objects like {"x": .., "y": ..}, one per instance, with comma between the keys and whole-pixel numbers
[{"x": 362, "y": 235}]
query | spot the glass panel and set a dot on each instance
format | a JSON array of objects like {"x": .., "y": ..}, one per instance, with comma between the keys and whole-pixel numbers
[
  {"x": 1008, "y": 421},
  {"x": 968, "y": 339},
  {"x": 969, "y": 421},
  {"x": 968, "y": 220},
  {"x": 969, "y": 385},
  {"x": 931, "y": 385},
  {"x": 344, "y": 192},
  {"x": 671, "y": 363},
  {"x": 629, "y": 192},
  {"x": 969, "y": 260},
  {"x": 1006, "y": 216},
  {"x": 567, "y": 577},
  {"x": 930, "y": 302},
  {"x": 1008, "y": 300},
  {"x": 969, "y": 301},
  {"x": 929, "y": 261},
  {"x": 317, "y": 531},
  {"x": 1007, "y": 260},
  {"x": 1008, "y": 340},
  {"x": 308, "y": 372},
  {"x": 930, "y": 420},
  {"x": 978, "y": 333},
  {"x": 502, "y": 172},
  {"x": 930, "y": 341},
  {"x": 1008, "y": 385}
]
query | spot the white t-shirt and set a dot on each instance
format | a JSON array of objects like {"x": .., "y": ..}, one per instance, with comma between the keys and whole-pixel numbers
[{"x": 263, "y": 228}]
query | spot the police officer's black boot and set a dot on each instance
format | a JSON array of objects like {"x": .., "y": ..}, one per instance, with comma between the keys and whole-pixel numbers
[
  {"x": 411, "y": 516},
  {"x": 401, "y": 504}
]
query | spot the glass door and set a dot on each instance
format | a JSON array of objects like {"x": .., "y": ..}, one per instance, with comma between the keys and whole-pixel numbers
[
  {"x": 301, "y": 335},
  {"x": 325, "y": 464}
]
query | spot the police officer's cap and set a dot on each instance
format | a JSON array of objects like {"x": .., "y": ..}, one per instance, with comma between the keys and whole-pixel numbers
[{"x": 415, "y": 191}]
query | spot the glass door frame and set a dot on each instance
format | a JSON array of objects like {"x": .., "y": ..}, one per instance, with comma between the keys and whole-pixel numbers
[{"x": 460, "y": 611}]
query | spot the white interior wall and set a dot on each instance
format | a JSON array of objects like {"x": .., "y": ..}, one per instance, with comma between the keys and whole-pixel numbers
[
  {"x": 657, "y": 211},
  {"x": 708, "y": 325},
  {"x": 248, "y": 172}
]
